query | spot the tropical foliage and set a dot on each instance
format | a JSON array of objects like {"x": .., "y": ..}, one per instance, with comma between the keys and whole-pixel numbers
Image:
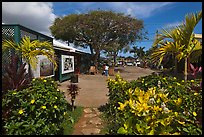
[
  {"x": 15, "y": 76},
  {"x": 30, "y": 49},
  {"x": 179, "y": 41},
  {"x": 155, "y": 105},
  {"x": 39, "y": 109},
  {"x": 138, "y": 52}
]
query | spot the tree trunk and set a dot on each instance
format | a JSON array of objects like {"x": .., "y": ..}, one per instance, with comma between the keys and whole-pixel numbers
[
  {"x": 186, "y": 69},
  {"x": 96, "y": 59},
  {"x": 72, "y": 104},
  {"x": 91, "y": 49},
  {"x": 92, "y": 55},
  {"x": 114, "y": 59},
  {"x": 30, "y": 72}
]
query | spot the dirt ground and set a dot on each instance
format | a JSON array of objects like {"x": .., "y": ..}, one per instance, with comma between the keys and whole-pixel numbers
[{"x": 93, "y": 88}]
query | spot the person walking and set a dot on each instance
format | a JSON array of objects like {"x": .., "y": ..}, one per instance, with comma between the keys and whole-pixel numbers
[{"x": 106, "y": 69}]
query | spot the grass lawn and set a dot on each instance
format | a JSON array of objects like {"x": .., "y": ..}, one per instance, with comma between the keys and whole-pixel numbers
[{"x": 69, "y": 123}]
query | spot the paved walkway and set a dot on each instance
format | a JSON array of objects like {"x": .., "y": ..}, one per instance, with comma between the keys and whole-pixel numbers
[
  {"x": 93, "y": 94},
  {"x": 90, "y": 123}
]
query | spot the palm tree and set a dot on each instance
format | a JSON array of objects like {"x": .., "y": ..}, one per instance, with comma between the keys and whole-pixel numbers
[
  {"x": 134, "y": 51},
  {"x": 169, "y": 47},
  {"x": 179, "y": 41},
  {"x": 29, "y": 50},
  {"x": 138, "y": 52},
  {"x": 188, "y": 39}
]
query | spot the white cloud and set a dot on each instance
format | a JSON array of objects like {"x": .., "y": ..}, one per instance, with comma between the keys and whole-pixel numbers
[
  {"x": 37, "y": 16},
  {"x": 40, "y": 15},
  {"x": 135, "y": 9},
  {"x": 140, "y": 9},
  {"x": 78, "y": 12},
  {"x": 174, "y": 24}
]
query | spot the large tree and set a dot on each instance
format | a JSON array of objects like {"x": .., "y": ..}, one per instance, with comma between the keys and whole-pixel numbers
[
  {"x": 114, "y": 48},
  {"x": 97, "y": 30}
]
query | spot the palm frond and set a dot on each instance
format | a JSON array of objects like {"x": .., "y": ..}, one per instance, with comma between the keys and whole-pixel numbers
[{"x": 9, "y": 44}]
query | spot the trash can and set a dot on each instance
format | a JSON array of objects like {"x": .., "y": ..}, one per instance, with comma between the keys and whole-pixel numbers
[
  {"x": 74, "y": 78},
  {"x": 111, "y": 71},
  {"x": 92, "y": 70}
]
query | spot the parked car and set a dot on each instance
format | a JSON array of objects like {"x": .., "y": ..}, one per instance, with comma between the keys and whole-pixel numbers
[
  {"x": 137, "y": 63},
  {"x": 129, "y": 64},
  {"x": 119, "y": 63}
]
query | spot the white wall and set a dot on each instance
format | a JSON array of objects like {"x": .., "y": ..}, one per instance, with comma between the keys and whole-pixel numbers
[{"x": 36, "y": 73}]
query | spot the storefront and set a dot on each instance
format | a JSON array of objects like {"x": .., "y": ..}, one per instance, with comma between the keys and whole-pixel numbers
[{"x": 70, "y": 60}]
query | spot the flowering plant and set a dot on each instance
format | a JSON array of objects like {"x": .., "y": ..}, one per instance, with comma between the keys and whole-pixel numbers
[
  {"x": 133, "y": 106},
  {"x": 148, "y": 113},
  {"x": 37, "y": 110}
]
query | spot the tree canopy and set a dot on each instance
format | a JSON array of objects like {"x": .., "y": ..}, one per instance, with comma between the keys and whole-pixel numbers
[
  {"x": 98, "y": 30},
  {"x": 138, "y": 52}
]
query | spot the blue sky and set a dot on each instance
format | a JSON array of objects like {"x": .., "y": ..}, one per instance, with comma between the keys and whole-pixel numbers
[{"x": 156, "y": 15}]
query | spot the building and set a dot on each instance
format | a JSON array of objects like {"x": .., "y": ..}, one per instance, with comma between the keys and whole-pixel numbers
[
  {"x": 70, "y": 60},
  {"x": 80, "y": 60},
  {"x": 198, "y": 37}
]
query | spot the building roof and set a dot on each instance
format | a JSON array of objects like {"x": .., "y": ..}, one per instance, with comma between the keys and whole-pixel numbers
[
  {"x": 56, "y": 43},
  {"x": 63, "y": 46},
  {"x": 27, "y": 30},
  {"x": 198, "y": 36}
]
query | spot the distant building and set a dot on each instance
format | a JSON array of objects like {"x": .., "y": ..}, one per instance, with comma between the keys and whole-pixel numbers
[{"x": 199, "y": 37}]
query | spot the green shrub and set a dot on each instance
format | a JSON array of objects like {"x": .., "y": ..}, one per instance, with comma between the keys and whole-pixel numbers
[
  {"x": 37, "y": 110},
  {"x": 129, "y": 110},
  {"x": 116, "y": 94}
]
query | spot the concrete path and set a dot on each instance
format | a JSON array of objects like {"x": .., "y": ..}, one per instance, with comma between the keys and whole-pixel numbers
[
  {"x": 92, "y": 92},
  {"x": 93, "y": 88}
]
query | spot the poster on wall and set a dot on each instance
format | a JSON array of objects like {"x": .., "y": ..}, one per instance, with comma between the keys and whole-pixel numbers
[
  {"x": 67, "y": 64},
  {"x": 46, "y": 67}
]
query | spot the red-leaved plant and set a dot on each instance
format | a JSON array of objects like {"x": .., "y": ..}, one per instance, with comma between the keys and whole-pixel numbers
[
  {"x": 194, "y": 70},
  {"x": 73, "y": 92},
  {"x": 15, "y": 76}
]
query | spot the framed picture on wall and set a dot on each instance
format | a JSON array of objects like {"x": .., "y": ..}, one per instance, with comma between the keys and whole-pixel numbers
[
  {"x": 46, "y": 67},
  {"x": 67, "y": 64}
]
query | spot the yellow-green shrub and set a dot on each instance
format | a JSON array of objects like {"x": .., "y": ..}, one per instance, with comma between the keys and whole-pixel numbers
[
  {"x": 147, "y": 113},
  {"x": 129, "y": 110}
]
